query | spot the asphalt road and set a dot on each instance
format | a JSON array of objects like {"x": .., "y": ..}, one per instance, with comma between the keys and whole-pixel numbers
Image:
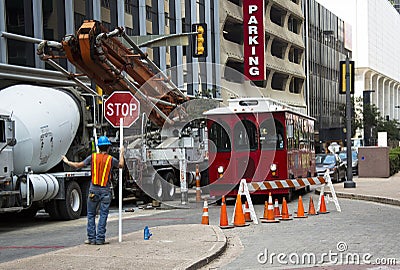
[{"x": 362, "y": 228}]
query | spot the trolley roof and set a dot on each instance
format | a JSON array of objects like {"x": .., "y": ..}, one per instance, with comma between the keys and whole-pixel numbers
[{"x": 254, "y": 105}]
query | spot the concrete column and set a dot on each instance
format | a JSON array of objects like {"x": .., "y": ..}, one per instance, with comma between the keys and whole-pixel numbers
[
  {"x": 69, "y": 25},
  {"x": 396, "y": 98},
  {"x": 142, "y": 19},
  {"x": 391, "y": 99},
  {"x": 381, "y": 91},
  {"x": 179, "y": 49},
  {"x": 195, "y": 66},
  {"x": 217, "y": 39},
  {"x": 374, "y": 95},
  {"x": 161, "y": 31},
  {"x": 207, "y": 17},
  {"x": 386, "y": 97},
  {"x": 37, "y": 12},
  {"x": 121, "y": 13},
  {"x": 3, "y": 41},
  {"x": 97, "y": 10}
]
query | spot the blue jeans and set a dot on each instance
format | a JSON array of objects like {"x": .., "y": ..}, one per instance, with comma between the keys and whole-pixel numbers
[{"x": 102, "y": 197}]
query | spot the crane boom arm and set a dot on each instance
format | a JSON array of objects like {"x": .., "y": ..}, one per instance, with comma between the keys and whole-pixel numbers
[{"x": 101, "y": 56}]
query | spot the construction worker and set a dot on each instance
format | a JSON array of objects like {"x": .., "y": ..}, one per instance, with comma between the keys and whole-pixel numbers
[{"x": 99, "y": 191}]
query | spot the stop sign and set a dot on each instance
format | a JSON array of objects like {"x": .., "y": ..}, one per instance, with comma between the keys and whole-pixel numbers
[{"x": 121, "y": 105}]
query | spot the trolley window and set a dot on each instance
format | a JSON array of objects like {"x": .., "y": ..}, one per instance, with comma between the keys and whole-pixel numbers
[
  {"x": 2, "y": 131},
  {"x": 245, "y": 136},
  {"x": 218, "y": 134},
  {"x": 272, "y": 135}
]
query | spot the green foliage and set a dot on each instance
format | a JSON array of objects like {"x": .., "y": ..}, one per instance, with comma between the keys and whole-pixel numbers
[
  {"x": 369, "y": 116},
  {"x": 356, "y": 122},
  {"x": 394, "y": 160}
]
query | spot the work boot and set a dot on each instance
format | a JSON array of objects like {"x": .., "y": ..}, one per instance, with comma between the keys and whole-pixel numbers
[
  {"x": 102, "y": 243},
  {"x": 88, "y": 242}
]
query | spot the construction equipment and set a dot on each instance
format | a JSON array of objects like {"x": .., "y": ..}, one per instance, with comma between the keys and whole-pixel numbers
[{"x": 161, "y": 151}]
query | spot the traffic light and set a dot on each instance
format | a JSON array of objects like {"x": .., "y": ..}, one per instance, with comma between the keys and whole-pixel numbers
[
  {"x": 199, "y": 40},
  {"x": 342, "y": 77}
]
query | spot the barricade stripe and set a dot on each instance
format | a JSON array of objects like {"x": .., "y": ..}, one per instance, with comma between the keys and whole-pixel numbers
[
  {"x": 306, "y": 182},
  {"x": 288, "y": 183},
  {"x": 284, "y": 184},
  {"x": 301, "y": 182},
  {"x": 272, "y": 185},
  {"x": 295, "y": 183}
]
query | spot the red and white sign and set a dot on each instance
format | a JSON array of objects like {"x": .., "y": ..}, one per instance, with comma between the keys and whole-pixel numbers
[
  {"x": 121, "y": 105},
  {"x": 254, "y": 39}
]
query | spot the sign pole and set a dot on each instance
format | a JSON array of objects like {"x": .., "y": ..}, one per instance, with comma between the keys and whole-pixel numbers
[{"x": 121, "y": 135}]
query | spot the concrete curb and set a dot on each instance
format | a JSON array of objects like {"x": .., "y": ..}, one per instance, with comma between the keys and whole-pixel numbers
[
  {"x": 362, "y": 197},
  {"x": 214, "y": 253}
]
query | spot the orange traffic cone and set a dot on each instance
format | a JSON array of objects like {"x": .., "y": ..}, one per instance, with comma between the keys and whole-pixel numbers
[
  {"x": 223, "y": 220},
  {"x": 285, "y": 211},
  {"x": 270, "y": 212},
  {"x": 300, "y": 209},
  {"x": 265, "y": 215},
  {"x": 204, "y": 218},
  {"x": 311, "y": 208},
  {"x": 322, "y": 208},
  {"x": 277, "y": 212},
  {"x": 247, "y": 216},
  {"x": 238, "y": 219}
]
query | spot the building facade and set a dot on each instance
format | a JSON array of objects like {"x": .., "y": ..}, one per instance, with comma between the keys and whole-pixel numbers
[
  {"x": 375, "y": 36},
  {"x": 53, "y": 19},
  {"x": 326, "y": 43},
  {"x": 283, "y": 54}
]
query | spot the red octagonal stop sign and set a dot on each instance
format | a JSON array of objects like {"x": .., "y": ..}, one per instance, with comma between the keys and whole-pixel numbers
[{"x": 121, "y": 105}]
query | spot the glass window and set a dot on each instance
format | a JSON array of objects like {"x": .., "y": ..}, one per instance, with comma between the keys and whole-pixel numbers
[
  {"x": 272, "y": 135},
  {"x": 245, "y": 136},
  {"x": 2, "y": 131},
  {"x": 218, "y": 134}
]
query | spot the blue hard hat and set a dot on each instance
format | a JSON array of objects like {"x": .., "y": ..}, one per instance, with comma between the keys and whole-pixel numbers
[{"x": 103, "y": 140}]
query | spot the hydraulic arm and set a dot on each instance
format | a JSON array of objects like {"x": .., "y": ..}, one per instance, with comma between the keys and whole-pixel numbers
[{"x": 113, "y": 66}]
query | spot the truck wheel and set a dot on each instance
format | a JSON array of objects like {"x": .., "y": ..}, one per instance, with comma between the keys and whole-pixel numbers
[
  {"x": 71, "y": 207},
  {"x": 169, "y": 187},
  {"x": 29, "y": 213},
  {"x": 158, "y": 187},
  {"x": 51, "y": 208},
  {"x": 85, "y": 194}
]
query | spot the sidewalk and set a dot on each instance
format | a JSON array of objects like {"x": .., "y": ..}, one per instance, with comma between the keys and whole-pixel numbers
[
  {"x": 170, "y": 247},
  {"x": 381, "y": 190}
]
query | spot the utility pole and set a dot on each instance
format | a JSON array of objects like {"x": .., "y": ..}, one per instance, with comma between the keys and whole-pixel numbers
[{"x": 349, "y": 183}]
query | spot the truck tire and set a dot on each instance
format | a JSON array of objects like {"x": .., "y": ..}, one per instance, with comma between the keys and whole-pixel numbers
[
  {"x": 29, "y": 213},
  {"x": 169, "y": 186},
  {"x": 51, "y": 208},
  {"x": 85, "y": 195},
  {"x": 71, "y": 207},
  {"x": 158, "y": 188}
]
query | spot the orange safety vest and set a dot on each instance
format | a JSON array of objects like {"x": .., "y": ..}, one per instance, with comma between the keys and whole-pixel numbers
[{"x": 101, "y": 168}]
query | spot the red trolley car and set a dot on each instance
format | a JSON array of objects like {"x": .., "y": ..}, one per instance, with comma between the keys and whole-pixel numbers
[{"x": 258, "y": 140}]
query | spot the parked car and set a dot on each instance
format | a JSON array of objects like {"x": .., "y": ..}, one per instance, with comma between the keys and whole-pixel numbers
[
  {"x": 354, "y": 160},
  {"x": 337, "y": 168}
]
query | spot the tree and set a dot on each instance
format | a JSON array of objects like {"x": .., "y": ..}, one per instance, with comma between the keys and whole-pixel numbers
[
  {"x": 356, "y": 121},
  {"x": 369, "y": 117}
]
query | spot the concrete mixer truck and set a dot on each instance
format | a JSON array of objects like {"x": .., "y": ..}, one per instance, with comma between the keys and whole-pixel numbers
[{"x": 39, "y": 124}]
